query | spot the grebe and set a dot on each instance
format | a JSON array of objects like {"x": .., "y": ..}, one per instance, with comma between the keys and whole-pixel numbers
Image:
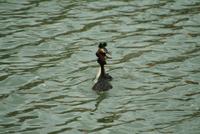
[{"x": 103, "y": 79}]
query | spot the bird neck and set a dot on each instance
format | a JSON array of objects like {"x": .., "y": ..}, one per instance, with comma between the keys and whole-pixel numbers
[{"x": 102, "y": 74}]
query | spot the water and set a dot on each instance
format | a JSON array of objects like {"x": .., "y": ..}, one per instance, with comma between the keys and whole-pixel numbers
[{"x": 48, "y": 64}]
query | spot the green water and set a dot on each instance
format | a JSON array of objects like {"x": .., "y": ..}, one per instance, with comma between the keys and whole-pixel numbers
[{"x": 48, "y": 64}]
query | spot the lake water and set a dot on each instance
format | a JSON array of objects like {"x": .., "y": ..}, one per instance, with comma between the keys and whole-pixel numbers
[{"x": 48, "y": 66}]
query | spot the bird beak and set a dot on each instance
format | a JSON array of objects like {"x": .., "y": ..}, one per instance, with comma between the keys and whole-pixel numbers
[{"x": 108, "y": 53}]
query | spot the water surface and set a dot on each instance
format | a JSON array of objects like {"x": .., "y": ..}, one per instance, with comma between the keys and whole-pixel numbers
[{"x": 48, "y": 64}]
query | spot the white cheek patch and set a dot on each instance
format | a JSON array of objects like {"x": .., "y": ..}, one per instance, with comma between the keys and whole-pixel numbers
[{"x": 102, "y": 50}]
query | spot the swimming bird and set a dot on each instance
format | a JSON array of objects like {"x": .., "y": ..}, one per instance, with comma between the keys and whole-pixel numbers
[{"x": 103, "y": 78}]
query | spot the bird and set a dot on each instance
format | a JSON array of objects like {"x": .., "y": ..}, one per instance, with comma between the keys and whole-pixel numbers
[{"x": 103, "y": 78}]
